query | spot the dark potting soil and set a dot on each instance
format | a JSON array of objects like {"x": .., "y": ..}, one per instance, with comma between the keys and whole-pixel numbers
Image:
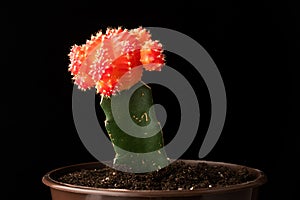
[{"x": 176, "y": 176}]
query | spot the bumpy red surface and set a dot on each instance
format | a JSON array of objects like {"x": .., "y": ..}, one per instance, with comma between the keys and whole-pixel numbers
[{"x": 114, "y": 61}]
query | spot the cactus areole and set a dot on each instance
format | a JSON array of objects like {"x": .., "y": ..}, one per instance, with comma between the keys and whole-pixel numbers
[{"x": 113, "y": 63}]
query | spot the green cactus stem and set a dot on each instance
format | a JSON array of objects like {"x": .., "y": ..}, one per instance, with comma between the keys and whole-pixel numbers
[{"x": 136, "y": 153}]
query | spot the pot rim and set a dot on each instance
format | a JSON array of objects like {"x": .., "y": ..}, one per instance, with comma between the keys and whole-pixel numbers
[{"x": 54, "y": 184}]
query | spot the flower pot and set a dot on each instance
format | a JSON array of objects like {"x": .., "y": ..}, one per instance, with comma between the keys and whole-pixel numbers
[{"x": 243, "y": 191}]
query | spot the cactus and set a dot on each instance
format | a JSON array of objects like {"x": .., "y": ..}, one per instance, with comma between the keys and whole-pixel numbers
[
  {"x": 113, "y": 63},
  {"x": 138, "y": 154}
]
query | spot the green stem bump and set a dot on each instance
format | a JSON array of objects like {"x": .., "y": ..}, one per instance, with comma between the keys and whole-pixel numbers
[{"x": 137, "y": 152}]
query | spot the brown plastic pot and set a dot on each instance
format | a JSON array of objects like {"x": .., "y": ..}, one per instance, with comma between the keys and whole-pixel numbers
[{"x": 62, "y": 191}]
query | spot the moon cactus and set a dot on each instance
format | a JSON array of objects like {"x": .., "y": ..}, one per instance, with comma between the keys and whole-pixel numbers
[{"x": 113, "y": 63}]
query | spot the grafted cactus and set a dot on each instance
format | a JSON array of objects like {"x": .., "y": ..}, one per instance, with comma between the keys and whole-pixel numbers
[{"x": 113, "y": 63}]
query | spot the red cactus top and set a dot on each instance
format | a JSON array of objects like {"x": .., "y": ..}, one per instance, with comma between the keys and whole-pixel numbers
[{"x": 114, "y": 61}]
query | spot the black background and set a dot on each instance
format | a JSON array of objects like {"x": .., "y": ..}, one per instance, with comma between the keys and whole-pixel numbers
[{"x": 254, "y": 46}]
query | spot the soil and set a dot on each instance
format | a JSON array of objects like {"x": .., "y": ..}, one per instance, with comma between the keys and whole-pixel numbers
[{"x": 176, "y": 176}]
